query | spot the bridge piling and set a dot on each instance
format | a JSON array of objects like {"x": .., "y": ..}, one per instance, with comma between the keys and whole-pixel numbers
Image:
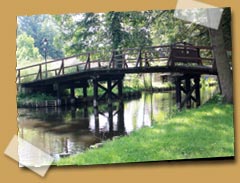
[
  {"x": 72, "y": 93},
  {"x": 197, "y": 91},
  {"x": 187, "y": 84},
  {"x": 95, "y": 104},
  {"x": 120, "y": 89},
  {"x": 95, "y": 94},
  {"x": 188, "y": 88},
  {"x": 57, "y": 88},
  {"x": 120, "y": 114},
  {"x": 84, "y": 92}
]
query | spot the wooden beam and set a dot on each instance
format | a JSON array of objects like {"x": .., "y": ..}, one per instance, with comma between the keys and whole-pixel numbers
[
  {"x": 188, "y": 89},
  {"x": 197, "y": 90},
  {"x": 187, "y": 96}
]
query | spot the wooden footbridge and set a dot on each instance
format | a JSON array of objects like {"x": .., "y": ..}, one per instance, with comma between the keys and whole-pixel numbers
[{"x": 184, "y": 61}]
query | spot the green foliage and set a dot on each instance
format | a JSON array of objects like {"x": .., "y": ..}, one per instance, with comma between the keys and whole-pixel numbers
[
  {"x": 115, "y": 30},
  {"x": 82, "y": 32},
  {"x": 217, "y": 99},
  {"x": 103, "y": 31},
  {"x": 26, "y": 51},
  {"x": 76, "y": 33},
  {"x": 40, "y": 27},
  {"x": 205, "y": 132},
  {"x": 208, "y": 81},
  {"x": 36, "y": 97},
  {"x": 167, "y": 29},
  {"x": 114, "y": 20}
]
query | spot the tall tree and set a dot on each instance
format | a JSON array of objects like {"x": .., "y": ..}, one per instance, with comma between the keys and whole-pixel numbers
[
  {"x": 222, "y": 62},
  {"x": 40, "y": 27},
  {"x": 167, "y": 29},
  {"x": 114, "y": 20},
  {"x": 26, "y": 51},
  {"x": 96, "y": 31},
  {"x": 82, "y": 32}
]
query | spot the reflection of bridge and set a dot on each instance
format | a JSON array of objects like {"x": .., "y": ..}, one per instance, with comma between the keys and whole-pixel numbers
[
  {"x": 185, "y": 61},
  {"x": 106, "y": 123}
]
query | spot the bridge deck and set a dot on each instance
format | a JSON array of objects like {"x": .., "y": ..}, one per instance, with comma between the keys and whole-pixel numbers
[{"x": 180, "y": 57}]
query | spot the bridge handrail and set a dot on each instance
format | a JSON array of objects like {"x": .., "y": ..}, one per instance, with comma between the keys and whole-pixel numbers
[
  {"x": 127, "y": 49},
  {"x": 129, "y": 57},
  {"x": 52, "y": 61}
]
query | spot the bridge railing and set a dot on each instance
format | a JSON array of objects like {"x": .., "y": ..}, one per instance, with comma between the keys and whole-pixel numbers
[
  {"x": 152, "y": 56},
  {"x": 185, "y": 53}
]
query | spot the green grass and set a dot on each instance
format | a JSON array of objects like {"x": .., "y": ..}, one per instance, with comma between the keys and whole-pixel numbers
[
  {"x": 37, "y": 97},
  {"x": 198, "y": 133}
]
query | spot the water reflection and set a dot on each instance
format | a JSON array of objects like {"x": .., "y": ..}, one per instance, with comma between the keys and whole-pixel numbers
[{"x": 63, "y": 131}]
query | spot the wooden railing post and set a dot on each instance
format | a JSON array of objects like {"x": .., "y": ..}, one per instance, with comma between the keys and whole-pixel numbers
[
  {"x": 40, "y": 71},
  {"x": 185, "y": 48},
  {"x": 61, "y": 69},
  {"x": 19, "y": 76},
  {"x": 146, "y": 60},
  {"x": 88, "y": 60},
  {"x": 99, "y": 64},
  {"x": 87, "y": 65},
  {"x": 111, "y": 60},
  {"x": 139, "y": 59},
  {"x": 39, "y": 74},
  {"x": 62, "y": 66}
]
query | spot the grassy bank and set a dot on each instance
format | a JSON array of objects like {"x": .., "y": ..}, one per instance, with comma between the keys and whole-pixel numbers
[
  {"x": 41, "y": 97},
  {"x": 36, "y": 97},
  {"x": 198, "y": 133}
]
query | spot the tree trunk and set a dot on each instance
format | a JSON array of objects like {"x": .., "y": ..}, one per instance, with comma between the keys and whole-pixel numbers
[{"x": 222, "y": 63}]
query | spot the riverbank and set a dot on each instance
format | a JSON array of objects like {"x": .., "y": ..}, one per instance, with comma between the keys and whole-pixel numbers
[
  {"x": 204, "y": 132},
  {"x": 43, "y": 100}
]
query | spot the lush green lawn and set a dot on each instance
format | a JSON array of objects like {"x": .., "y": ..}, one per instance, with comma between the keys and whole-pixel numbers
[{"x": 198, "y": 133}]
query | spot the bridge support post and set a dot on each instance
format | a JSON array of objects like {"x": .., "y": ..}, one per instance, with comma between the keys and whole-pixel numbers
[
  {"x": 120, "y": 89},
  {"x": 95, "y": 94},
  {"x": 73, "y": 112},
  {"x": 188, "y": 88},
  {"x": 85, "y": 92},
  {"x": 110, "y": 107},
  {"x": 185, "y": 85},
  {"x": 121, "y": 127},
  {"x": 72, "y": 91},
  {"x": 95, "y": 104},
  {"x": 108, "y": 92},
  {"x": 197, "y": 91},
  {"x": 178, "y": 92},
  {"x": 85, "y": 111},
  {"x": 57, "y": 88}
]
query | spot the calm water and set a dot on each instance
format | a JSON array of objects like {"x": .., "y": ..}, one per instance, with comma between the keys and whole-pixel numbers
[{"x": 64, "y": 131}]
